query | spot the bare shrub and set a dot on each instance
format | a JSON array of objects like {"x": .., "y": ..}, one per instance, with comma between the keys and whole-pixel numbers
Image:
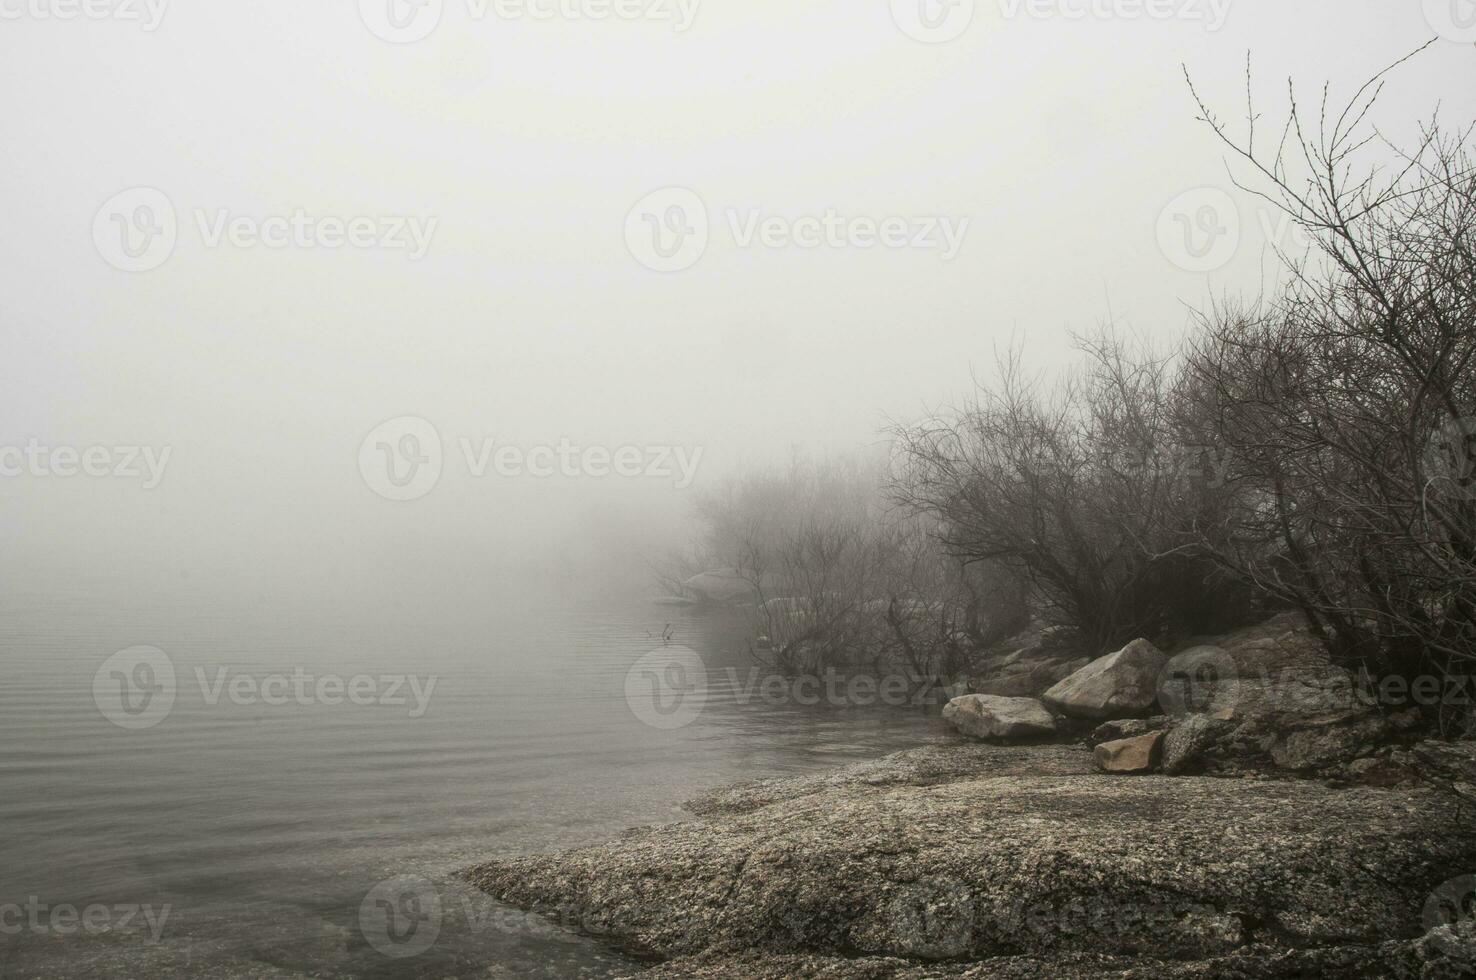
[
  {"x": 1082, "y": 487},
  {"x": 1344, "y": 405},
  {"x": 843, "y": 581}
]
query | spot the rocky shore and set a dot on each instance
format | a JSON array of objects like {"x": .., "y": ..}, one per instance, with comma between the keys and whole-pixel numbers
[{"x": 973, "y": 858}]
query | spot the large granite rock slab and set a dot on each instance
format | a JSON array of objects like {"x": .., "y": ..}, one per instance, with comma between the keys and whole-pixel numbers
[
  {"x": 1431, "y": 957},
  {"x": 1449, "y": 765},
  {"x": 925, "y": 766},
  {"x": 1008, "y": 868}
]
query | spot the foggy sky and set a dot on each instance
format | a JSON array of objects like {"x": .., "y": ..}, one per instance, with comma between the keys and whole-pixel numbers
[{"x": 528, "y": 321}]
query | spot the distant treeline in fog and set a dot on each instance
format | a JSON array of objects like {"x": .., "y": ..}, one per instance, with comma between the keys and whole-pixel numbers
[{"x": 1311, "y": 449}]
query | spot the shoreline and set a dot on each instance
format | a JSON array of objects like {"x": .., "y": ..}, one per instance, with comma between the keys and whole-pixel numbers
[{"x": 977, "y": 859}]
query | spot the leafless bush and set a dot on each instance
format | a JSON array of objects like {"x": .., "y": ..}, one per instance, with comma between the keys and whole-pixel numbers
[
  {"x": 1344, "y": 405},
  {"x": 1082, "y": 487},
  {"x": 940, "y": 614},
  {"x": 843, "y": 581}
]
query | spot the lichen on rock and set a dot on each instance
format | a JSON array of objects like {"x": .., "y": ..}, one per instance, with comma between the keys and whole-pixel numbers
[{"x": 917, "y": 867}]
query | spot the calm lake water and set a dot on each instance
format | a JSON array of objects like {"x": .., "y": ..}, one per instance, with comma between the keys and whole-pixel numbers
[{"x": 245, "y": 837}]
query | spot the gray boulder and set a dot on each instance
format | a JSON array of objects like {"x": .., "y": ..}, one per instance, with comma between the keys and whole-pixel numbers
[
  {"x": 1029, "y": 684},
  {"x": 1027, "y": 679},
  {"x": 984, "y": 716},
  {"x": 1311, "y": 746},
  {"x": 1120, "y": 685},
  {"x": 1203, "y": 679},
  {"x": 1449, "y": 765},
  {"x": 1270, "y": 673},
  {"x": 1189, "y": 740},
  {"x": 1385, "y": 770}
]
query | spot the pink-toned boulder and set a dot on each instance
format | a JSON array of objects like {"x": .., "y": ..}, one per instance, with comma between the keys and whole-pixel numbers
[{"x": 1130, "y": 755}]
